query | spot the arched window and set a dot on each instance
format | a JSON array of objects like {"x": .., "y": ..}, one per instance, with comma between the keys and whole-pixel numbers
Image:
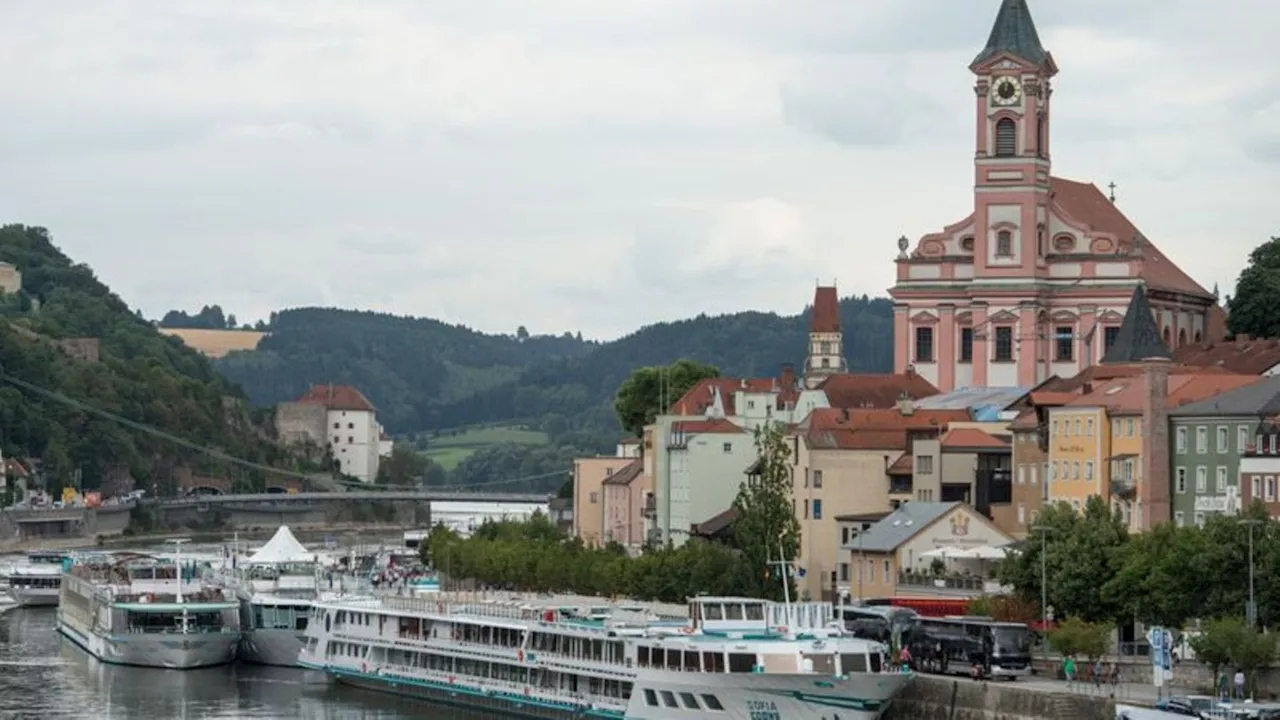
[
  {"x": 1182, "y": 337},
  {"x": 1167, "y": 336},
  {"x": 1040, "y": 136},
  {"x": 1198, "y": 337},
  {"x": 1006, "y": 138},
  {"x": 1004, "y": 244}
]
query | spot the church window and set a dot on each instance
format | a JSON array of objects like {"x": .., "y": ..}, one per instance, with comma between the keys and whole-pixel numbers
[
  {"x": 1167, "y": 336},
  {"x": 1109, "y": 336},
  {"x": 1004, "y": 244},
  {"x": 1182, "y": 337},
  {"x": 1198, "y": 337},
  {"x": 1006, "y": 138},
  {"x": 1064, "y": 343},
  {"x": 826, "y": 362},
  {"x": 966, "y": 345},
  {"x": 826, "y": 348},
  {"x": 924, "y": 344},
  {"x": 1040, "y": 136},
  {"x": 1004, "y": 344},
  {"x": 966, "y": 243}
]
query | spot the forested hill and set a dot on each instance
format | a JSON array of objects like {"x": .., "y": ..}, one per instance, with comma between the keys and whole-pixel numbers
[
  {"x": 424, "y": 374},
  {"x": 139, "y": 374}
]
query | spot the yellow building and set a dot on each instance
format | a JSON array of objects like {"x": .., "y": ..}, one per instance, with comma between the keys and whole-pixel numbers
[{"x": 1079, "y": 444}]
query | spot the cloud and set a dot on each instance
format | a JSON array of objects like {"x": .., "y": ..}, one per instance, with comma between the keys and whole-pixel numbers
[{"x": 573, "y": 164}]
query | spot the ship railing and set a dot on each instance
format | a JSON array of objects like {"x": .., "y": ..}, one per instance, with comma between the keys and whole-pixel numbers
[{"x": 504, "y": 686}]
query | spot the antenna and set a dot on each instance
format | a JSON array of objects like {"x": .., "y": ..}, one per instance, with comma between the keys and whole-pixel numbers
[
  {"x": 177, "y": 560},
  {"x": 786, "y": 577},
  {"x": 1112, "y": 188}
]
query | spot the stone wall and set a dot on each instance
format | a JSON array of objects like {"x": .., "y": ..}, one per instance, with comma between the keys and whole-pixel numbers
[
  {"x": 302, "y": 423},
  {"x": 935, "y": 698},
  {"x": 1187, "y": 675}
]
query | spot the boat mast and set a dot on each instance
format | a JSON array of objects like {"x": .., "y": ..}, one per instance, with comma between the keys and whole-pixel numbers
[{"x": 177, "y": 560}]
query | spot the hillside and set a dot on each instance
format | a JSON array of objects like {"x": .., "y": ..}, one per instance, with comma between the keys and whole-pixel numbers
[
  {"x": 139, "y": 374},
  {"x": 423, "y": 374}
]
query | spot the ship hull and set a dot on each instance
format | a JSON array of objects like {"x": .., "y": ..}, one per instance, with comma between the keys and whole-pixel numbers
[
  {"x": 271, "y": 647},
  {"x": 34, "y": 598},
  {"x": 159, "y": 650}
]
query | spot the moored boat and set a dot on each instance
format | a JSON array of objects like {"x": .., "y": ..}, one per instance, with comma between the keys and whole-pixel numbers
[
  {"x": 137, "y": 609},
  {"x": 35, "y": 582},
  {"x": 554, "y": 658}
]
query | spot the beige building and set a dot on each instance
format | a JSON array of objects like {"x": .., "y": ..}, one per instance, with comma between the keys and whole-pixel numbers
[
  {"x": 841, "y": 461},
  {"x": 906, "y": 552},
  {"x": 970, "y": 463},
  {"x": 10, "y": 278},
  {"x": 589, "y": 475}
]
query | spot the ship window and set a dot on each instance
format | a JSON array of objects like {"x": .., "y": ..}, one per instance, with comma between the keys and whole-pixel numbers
[
  {"x": 691, "y": 660},
  {"x": 656, "y": 657},
  {"x": 755, "y": 612},
  {"x": 689, "y": 700},
  {"x": 852, "y": 663},
  {"x": 742, "y": 662},
  {"x": 642, "y": 656},
  {"x": 733, "y": 612},
  {"x": 669, "y": 699},
  {"x": 650, "y": 698},
  {"x": 714, "y": 661},
  {"x": 712, "y": 702},
  {"x": 713, "y": 612}
]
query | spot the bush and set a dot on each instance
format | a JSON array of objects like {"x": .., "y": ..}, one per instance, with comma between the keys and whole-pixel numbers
[{"x": 1076, "y": 637}]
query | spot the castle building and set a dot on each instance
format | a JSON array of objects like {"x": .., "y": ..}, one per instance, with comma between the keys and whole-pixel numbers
[{"x": 1035, "y": 281}]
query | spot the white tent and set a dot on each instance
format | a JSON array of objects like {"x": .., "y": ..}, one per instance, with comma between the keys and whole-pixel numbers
[
  {"x": 944, "y": 552},
  {"x": 986, "y": 552},
  {"x": 282, "y": 548}
]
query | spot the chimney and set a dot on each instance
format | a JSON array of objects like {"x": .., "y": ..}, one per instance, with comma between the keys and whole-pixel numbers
[
  {"x": 906, "y": 405},
  {"x": 788, "y": 378},
  {"x": 1154, "y": 490}
]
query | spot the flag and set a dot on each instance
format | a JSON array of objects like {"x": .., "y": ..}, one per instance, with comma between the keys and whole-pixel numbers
[{"x": 800, "y": 572}]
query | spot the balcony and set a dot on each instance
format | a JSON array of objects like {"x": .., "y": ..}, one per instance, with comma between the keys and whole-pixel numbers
[
  {"x": 901, "y": 485},
  {"x": 951, "y": 585},
  {"x": 650, "y": 507},
  {"x": 1124, "y": 488}
]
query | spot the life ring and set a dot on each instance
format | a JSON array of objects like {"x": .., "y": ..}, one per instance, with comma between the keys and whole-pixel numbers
[{"x": 686, "y": 630}]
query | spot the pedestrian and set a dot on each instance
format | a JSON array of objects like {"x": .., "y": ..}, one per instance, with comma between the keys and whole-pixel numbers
[
  {"x": 1239, "y": 684},
  {"x": 1224, "y": 685},
  {"x": 1069, "y": 670},
  {"x": 1113, "y": 677},
  {"x": 905, "y": 659},
  {"x": 1098, "y": 670}
]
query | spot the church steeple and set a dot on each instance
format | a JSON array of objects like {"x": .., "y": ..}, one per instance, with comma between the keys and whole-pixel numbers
[
  {"x": 1138, "y": 338},
  {"x": 1015, "y": 33},
  {"x": 826, "y": 341}
]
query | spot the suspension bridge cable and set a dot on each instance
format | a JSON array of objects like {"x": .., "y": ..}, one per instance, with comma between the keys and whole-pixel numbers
[{"x": 219, "y": 454}]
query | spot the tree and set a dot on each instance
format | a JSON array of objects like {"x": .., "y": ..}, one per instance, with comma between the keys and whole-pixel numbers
[
  {"x": 1252, "y": 309},
  {"x": 1004, "y": 608},
  {"x": 1227, "y": 642},
  {"x": 641, "y": 398},
  {"x": 766, "y": 530},
  {"x": 1159, "y": 578},
  {"x": 1074, "y": 636},
  {"x": 522, "y": 333}
]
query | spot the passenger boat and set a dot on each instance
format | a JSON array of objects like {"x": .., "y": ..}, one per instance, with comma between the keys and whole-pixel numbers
[
  {"x": 728, "y": 657},
  {"x": 275, "y": 587},
  {"x": 36, "y": 582},
  {"x": 136, "y": 609}
]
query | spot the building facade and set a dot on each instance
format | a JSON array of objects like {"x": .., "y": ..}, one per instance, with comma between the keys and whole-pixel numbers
[
  {"x": 589, "y": 502},
  {"x": 10, "y": 278},
  {"x": 1030, "y": 472},
  {"x": 340, "y": 418},
  {"x": 1033, "y": 282},
  {"x": 1210, "y": 438},
  {"x": 698, "y": 467},
  {"x": 1260, "y": 470}
]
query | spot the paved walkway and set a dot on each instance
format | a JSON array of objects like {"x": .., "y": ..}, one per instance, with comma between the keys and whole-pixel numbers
[{"x": 1129, "y": 693}]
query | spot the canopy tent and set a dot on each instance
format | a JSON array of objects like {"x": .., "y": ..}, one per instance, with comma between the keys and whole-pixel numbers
[
  {"x": 944, "y": 552},
  {"x": 981, "y": 552},
  {"x": 282, "y": 548},
  {"x": 986, "y": 552}
]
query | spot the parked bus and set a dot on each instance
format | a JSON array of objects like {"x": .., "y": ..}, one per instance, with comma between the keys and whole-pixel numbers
[
  {"x": 879, "y": 622},
  {"x": 955, "y": 644}
]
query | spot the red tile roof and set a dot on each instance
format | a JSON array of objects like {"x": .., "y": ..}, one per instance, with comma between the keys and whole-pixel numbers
[
  {"x": 872, "y": 390},
  {"x": 15, "y": 468},
  {"x": 625, "y": 474},
  {"x": 826, "y": 311},
  {"x": 337, "y": 397},
  {"x": 1026, "y": 420},
  {"x": 902, "y": 466},
  {"x": 714, "y": 425},
  {"x": 700, "y": 397},
  {"x": 871, "y": 429},
  {"x": 1085, "y": 203},
  {"x": 966, "y": 438},
  {"x": 1125, "y": 395},
  {"x": 1244, "y": 355}
]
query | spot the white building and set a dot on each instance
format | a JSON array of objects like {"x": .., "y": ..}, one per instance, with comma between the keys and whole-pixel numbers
[{"x": 340, "y": 417}]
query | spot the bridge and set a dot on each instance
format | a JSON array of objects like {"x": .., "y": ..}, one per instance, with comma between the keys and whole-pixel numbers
[{"x": 420, "y": 496}]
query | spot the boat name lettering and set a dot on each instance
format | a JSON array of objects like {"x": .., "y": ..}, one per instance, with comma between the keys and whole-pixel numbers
[{"x": 763, "y": 710}]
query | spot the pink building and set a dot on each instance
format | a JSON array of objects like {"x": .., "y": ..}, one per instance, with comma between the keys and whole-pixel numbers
[
  {"x": 625, "y": 493},
  {"x": 1035, "y": 280}
]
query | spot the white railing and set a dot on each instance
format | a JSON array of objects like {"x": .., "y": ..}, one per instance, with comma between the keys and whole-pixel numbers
[{"x": 491, "y": 685}]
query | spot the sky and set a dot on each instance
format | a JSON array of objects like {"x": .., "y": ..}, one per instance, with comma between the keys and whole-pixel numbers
[{"x": 594, "y": 166}]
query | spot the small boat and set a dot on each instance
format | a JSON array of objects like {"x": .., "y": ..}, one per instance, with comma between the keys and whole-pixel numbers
[{"x": 36, "y": 581}]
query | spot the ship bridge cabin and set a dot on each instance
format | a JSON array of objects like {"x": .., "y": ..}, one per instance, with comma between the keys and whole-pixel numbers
[{"x": 748, "y": 616}]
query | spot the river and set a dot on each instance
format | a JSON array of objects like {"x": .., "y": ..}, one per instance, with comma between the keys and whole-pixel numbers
[{"x": 43, "y": 676}]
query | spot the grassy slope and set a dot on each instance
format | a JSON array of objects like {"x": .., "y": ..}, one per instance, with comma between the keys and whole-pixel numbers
[{"x": 449, "y": 450}]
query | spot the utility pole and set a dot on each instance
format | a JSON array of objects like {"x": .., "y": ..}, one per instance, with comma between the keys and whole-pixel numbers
[
  {"x": 1045, "y": 611},
  {"x": 1251, "y": 610}
]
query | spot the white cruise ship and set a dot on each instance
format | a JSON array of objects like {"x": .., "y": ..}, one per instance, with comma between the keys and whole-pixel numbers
[
  {"x": 36, "y": 581},
  {"x": 134, "y": 609},
  {"x": 275, "y": 587},
  {"x": 731, "y": 658}
]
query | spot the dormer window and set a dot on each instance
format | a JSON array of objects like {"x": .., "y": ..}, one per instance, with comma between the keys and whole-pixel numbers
[
  {"x": 1004, "y": 244},
  {"x": 1006, "y": 138}
]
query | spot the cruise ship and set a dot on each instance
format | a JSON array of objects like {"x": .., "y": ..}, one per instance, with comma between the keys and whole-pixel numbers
[
  {"x": 719, "y": 657},
  {"x": 36, "y": 582},
  {"x": 134, "y": 609}
]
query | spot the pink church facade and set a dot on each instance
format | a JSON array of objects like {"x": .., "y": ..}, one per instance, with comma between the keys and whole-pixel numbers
[{"x": 1034, "y": 282}]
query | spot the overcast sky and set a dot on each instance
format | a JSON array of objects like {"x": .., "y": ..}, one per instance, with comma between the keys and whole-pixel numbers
[{"x": 594, "y": 165}]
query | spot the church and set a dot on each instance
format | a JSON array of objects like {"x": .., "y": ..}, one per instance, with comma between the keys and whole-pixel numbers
[{"x": 1035, "y": 281}]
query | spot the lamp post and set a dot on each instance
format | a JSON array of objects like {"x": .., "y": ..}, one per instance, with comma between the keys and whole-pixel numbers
[
  {"x": 1251, "y": 610},
  {"x": 1044, "y": 531}
]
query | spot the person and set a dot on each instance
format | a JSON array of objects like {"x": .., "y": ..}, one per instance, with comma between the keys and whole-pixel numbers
[
  {"x": 1098, "y": 670},
  {"x": 1239, "y": 684},
  {"x": 1069, "y": 670},
  {"x": 905, "y": 659},
  {"x": 1113, "y": 677},
  {"x": 1224, "y": 685}
]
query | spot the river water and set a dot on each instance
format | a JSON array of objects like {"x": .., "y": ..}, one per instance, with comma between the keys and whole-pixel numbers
[{"x": 44, "y": 676}]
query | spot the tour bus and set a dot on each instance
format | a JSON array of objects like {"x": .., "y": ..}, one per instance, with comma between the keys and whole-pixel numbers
[
  {"x": 878, "y": 622},
  {"x": 1005, "y": 648}
]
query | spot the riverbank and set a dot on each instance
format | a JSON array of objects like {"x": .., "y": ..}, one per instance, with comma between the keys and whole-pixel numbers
[{"x": 344, "y": 533}]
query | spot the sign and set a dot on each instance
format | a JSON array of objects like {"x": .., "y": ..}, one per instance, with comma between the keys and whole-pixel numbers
[
  {"x": 959, "y": 524},
  {"x": 1161, "y": 641},
  {"x": 1212, "y": 503},
  {"x": 763, "y": 710}
]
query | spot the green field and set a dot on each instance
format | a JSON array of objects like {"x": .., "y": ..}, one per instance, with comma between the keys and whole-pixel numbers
[{"x": 449, "y": 450}]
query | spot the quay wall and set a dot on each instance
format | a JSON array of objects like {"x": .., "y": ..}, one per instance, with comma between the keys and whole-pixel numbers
[{"x": 935, "y": 698}]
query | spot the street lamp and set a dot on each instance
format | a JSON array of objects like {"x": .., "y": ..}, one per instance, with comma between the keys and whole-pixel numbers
[
  {"x": 1251, "y": 610},
  {"x": 1044, "y": 531}
]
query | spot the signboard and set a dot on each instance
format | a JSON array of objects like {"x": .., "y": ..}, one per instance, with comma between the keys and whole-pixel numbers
[
  {"x": 1161, "y": 641},
  {"x": 1211, "y": 503}
]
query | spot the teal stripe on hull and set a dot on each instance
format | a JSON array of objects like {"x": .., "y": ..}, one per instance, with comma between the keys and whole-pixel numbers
[
  {"x": 389, "y": 684},
  {"x": 834, "y": 701}
]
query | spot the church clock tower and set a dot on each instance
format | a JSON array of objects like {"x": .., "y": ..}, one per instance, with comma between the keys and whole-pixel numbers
[{"x": 1011, "y": 186}]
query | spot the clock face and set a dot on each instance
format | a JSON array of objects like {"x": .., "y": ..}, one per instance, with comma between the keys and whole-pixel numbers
[{"x": 1006, "y": 91}]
